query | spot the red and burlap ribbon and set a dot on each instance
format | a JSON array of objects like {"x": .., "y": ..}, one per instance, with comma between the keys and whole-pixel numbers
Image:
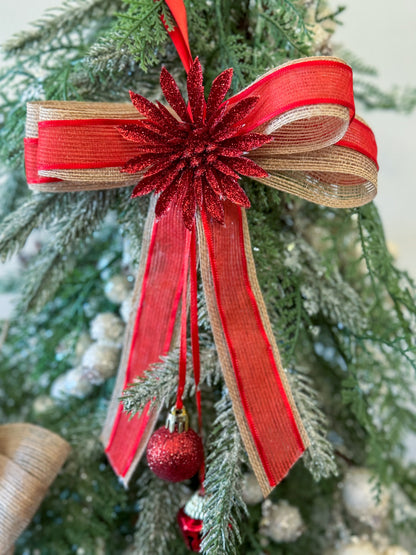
[
  {"x": 319, "y": 151},
  {"x": 30, "y": 458}
]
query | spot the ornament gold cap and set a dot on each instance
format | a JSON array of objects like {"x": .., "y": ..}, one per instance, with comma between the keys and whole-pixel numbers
[{"x": 177, "y": 420}]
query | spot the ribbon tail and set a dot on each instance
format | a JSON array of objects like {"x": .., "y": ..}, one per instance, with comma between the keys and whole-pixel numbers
[
  {"x": 149, "y": 336},
  {"x": 263, "y": 405}
]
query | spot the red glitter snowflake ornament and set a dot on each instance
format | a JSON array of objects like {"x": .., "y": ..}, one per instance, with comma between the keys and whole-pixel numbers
[{"x": 194, "y": 159}]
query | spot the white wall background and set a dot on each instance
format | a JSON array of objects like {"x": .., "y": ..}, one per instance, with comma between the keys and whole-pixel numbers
[{"x": 382, "y": 33}]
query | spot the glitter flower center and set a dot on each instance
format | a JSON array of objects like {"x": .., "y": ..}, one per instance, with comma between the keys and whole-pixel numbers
[{"x": 195, "y": 158}]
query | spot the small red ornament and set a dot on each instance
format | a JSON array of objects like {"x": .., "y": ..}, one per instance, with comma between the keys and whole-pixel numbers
[
  {"x": 174, "y": 452},
  {"x": 190, "y": 521},
  {"x": 191, "y": 530}
]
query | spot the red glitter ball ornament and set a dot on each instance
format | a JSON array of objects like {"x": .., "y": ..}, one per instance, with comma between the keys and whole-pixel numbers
[
  {"x": 194, "y": 157},
  {"x": 174, "y": 456}
]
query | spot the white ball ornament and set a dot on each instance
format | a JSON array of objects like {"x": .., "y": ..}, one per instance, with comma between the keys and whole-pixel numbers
[
  {"x": 117, "y": 289},
  {"x": 281, "y": 522},
  {"x": 43, "y": 404},
  {"x": 396, "y": 550},
  {"x": 125, "y": 308},
  {"x": 251, "y": 490},
  {"x": 360, "y": 498},
  {"x": 76, "y": 384},
  {"x": 84, "y": 341},
  {"x": 107, "y": 328},
  {"x": 358, "y": 547},
  {"x": 100, "y": 362},
  {"x": 71, "y": 384},
  {"x": 58, "y": 388}
]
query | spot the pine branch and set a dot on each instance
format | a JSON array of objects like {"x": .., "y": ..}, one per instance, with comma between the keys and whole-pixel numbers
[
  {"x": 323, "y": 290},
  {"x": 83, "y": 216},
  {"x": 132, "y": 218},
  {"x": 224, "y": 506},
  {"x": 106, "y": 55},
  {"x": 158, "y": 384},
  {"x": 373, "y": 97},
  {"x": 370, "y": 95},
  {"x": 397, "y": 284},
  {"x": 159, "y": 503},
  {"x": 383, "y": 407},
  {"x": 319, "y": 458},
  {"x": 325, "y": 14},
  {"x": 58, "y": 23},
  {"x": 356, "y": 63},
  {"x": 140, "y": 30},
  {"x": 17, "y": 226},
  {"x": 13, "y": 190},
  {"x": 291, "y": 30}
]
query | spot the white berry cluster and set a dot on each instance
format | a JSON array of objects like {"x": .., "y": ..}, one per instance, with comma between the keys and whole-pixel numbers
[{"x": 97, "y": 354}]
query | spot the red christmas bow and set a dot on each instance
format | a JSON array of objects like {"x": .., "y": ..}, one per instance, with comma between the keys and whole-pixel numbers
[{"x": 314, "y": 147}]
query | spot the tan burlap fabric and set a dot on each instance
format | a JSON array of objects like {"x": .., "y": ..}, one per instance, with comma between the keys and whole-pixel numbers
[
  {"x": 302, "y": 159},
  {"x": 30, "y": 459},
  {"x": 119, "y": 385},
  {"x": 224, "y": 353},
  {"x": 84, "y": 179}
]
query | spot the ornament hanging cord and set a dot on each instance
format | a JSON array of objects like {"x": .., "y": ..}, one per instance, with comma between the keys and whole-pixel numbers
[
  {"x": 191, "y": 261},
  {"x": 179, "y": 37},
  {"x": 183, "y": 340},
  {"x": 196, "y": 361}
]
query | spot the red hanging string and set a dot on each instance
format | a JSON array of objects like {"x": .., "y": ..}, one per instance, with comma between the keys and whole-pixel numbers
[
  {"x": 182, "y": 352},
  {"x": 179, "y": 38},
  {"x": 194, "y": 328},
  {"x": 179, "y": 34},
  {"x": 196, "y": 361}
]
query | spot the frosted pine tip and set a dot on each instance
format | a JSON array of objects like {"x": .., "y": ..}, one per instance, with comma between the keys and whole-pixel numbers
[{"x": 195, "y": 159}]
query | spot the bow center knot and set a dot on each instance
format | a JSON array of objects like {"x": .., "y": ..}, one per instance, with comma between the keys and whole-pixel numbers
[{"x": 194, "y": 154}]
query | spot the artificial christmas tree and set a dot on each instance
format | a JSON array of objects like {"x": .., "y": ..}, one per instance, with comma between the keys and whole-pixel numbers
[{"x": 343, "y": 328}]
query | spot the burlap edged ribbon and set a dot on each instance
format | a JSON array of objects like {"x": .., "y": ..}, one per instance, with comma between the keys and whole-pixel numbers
[
  {"x": 30, "y": 459},
  {"x": 320, "y": 152}
]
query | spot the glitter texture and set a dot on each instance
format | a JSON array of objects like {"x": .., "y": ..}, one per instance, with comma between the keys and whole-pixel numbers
[
  {"x": 174, "y": 456},
  {"x": 195, "y": 159}
]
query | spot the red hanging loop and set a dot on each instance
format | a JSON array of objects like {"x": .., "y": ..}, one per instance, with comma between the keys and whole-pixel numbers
[
  {"x": 194, "y": 327},
  {"x": 196, "y": 360},
  {"x": 179, "y": 35},
  {"x": 183, "y": 341}
]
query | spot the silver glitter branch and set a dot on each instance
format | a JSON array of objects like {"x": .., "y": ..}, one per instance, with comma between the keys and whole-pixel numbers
[
  {"x": 319, "y": 458},
  {"x": 224, "y": 506}
]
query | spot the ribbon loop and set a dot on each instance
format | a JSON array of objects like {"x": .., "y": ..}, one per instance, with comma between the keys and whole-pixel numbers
[
  {"x": 73, "y": 146},
  {"x": 307, "y": 128},
  {"x": 303, "y": 82},
  {"x": 343, "y": 175}
]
